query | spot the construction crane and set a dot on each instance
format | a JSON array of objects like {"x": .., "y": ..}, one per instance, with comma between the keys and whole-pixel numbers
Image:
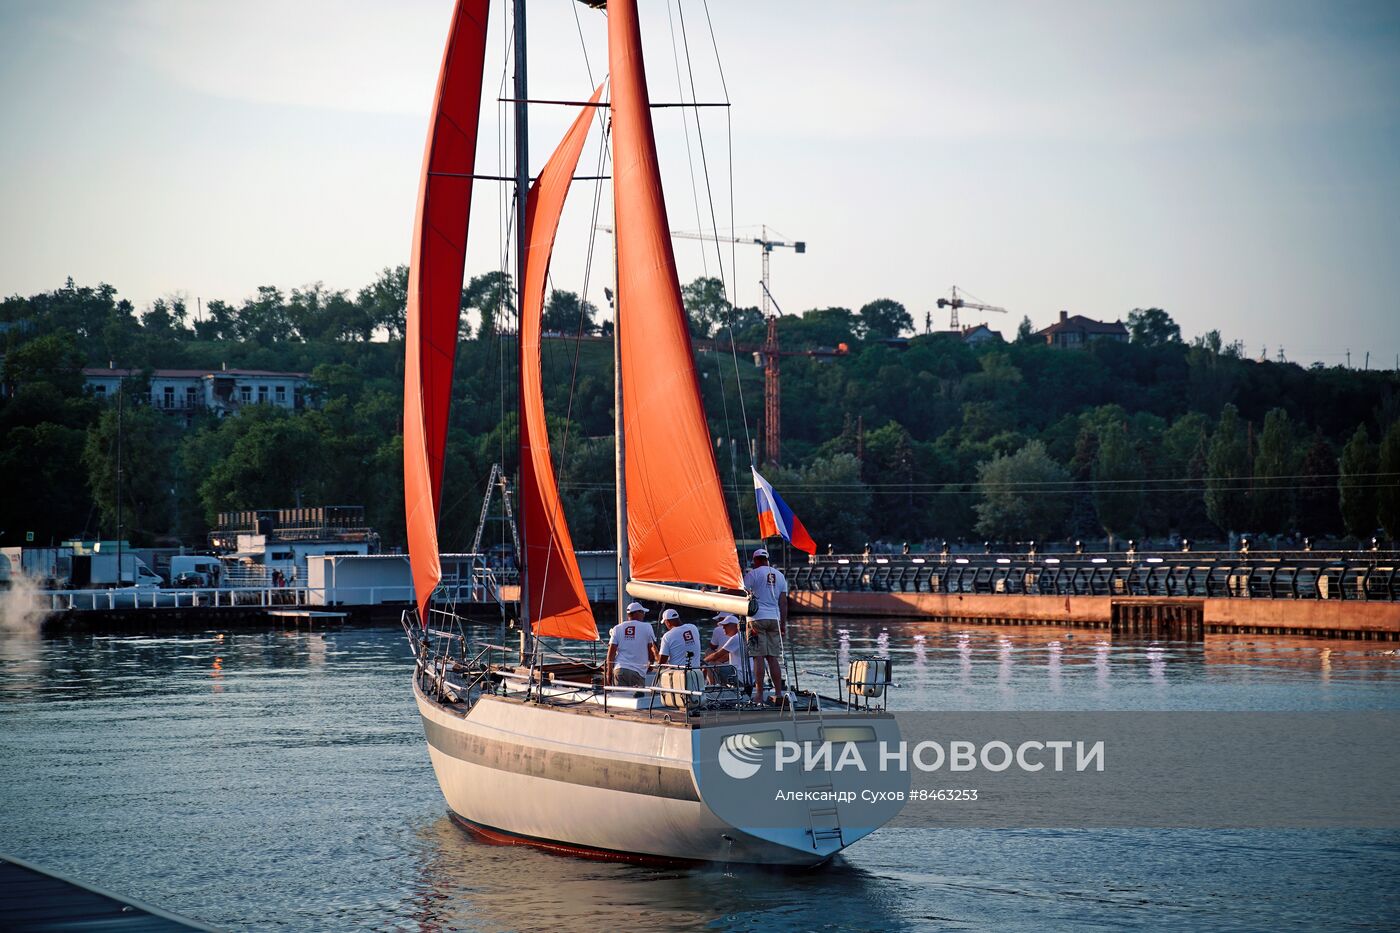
[
  {"x": 797, "y": 246},
  {"x": 772, "y": 394},
  {"x": 954, "y": 303},
  {"x": 772, "y": 398}
]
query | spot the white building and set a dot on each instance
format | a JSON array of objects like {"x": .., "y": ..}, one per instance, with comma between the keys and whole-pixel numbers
[{"x": 223, "y": 391}]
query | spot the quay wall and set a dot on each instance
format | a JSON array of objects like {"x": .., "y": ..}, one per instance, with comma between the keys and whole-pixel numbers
[{"x": 1323, "y": 618}]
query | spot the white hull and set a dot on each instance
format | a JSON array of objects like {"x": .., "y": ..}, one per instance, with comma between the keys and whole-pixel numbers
[{"x": 610, "y": 785}]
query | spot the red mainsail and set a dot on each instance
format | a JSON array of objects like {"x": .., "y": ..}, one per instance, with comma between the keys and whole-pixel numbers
[
  {"x": 558, "y": 601},
  {"x": 435, "y": 286},
  {"x": 677, "y": 525}
]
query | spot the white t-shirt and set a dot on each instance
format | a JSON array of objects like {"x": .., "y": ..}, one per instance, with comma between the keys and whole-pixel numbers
[
  {"x": 717, "y": 637},
  {"x": 681, "y": 646},
  {"x": 769, "y": 585},
  {"x": 739, "y": 656},
  {"x": 632, "y": 639}
]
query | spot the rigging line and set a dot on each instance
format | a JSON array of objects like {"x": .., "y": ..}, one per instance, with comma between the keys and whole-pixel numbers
[
  {"x": 685, "y": 128},
  {"x": 719, "y": 252},
  {"x": 504, "y": 220},
  {"x": 714, "y": 43},
  {"x": 578, "y": 25}
]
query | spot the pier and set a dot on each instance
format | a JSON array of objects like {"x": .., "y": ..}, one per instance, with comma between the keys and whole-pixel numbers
[
  {"x": 34, "y": 899},
  {"x": 1352, "y": 595}
]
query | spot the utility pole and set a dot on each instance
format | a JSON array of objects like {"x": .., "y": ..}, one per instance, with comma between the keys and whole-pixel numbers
[{"x": 121, "y": 385}]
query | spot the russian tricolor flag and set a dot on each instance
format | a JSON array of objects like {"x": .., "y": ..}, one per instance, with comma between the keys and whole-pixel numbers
[{"x": 776, "y": 519}]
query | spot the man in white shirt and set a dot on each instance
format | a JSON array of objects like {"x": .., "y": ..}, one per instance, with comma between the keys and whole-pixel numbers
[
  {"x": 717, "y": 637},
  {"x": 732, "y": 650},
  {"x": 631, "y": 648},
  {"x": 681, "y": 643},
  {"x": 768, "y": 624}
]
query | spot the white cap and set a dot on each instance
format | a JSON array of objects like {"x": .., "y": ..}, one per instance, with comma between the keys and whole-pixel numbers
[
  {"x": 728, "y": 620},
  {"x": 670, "y": 614},
  {"x": 636, "y": 607},
  {"x": 760, "y": 552}
]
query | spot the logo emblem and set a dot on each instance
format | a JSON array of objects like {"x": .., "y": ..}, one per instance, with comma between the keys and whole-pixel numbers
[{"x": 739, "y": 756}]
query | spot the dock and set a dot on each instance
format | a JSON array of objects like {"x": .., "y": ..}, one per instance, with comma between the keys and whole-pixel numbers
[
  {"x": 33, "y": 899},
  {"x": 1345, "y": 595}
]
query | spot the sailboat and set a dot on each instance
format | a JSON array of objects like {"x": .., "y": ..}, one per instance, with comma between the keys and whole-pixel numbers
[{"x": 527, "y": 743}]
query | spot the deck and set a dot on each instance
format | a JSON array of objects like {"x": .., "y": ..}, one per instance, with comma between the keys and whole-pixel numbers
[{"x": 34, "y": 899}]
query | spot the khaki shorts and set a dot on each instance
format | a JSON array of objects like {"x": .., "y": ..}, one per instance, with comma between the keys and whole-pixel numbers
[
  {"x": 763, "y": 640},
  {"x": 626, "y": 677}
]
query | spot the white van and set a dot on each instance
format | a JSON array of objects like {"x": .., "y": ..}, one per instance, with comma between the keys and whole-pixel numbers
[{"x": 195, "y": 570}]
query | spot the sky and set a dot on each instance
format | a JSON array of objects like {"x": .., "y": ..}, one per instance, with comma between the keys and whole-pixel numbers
[{"x": 1237, "y": 163}]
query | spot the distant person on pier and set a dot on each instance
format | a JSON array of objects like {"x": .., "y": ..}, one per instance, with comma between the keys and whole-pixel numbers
[
  {"x": 768, "y": 624},
  {"x": 681, "y": 643},
  {"x": 631, "y": 649}
]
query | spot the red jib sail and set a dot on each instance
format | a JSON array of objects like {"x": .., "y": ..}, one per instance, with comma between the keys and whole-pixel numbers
[
  {"x": 435, "y": 286},
  {"x": 558, "y": 601},
  {"x": 677, "y": 525}
]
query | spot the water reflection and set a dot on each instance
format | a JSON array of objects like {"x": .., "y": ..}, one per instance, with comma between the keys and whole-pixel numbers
[
  {"x": 551, "y": 892},
  {"x": 258, "y": 780}
]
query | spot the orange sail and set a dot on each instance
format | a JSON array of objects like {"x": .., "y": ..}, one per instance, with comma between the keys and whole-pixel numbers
[
  {"x": 678, "y": 529},
  {"x": 435, "y": 286},
  {"x": 558, "y": 601}
]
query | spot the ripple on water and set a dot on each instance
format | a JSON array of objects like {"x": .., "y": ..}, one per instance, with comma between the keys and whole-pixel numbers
[{"x": 262, "y": 781}]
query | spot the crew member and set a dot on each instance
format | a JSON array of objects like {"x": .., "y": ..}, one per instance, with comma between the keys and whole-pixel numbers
[
  {"x": 681, "y": 643},
  {"x": 631, "y": 647},
  {"x": 717, "y": 637},
  {"x": 768, "y": 624},
  {"x": 731, "y": 651}
]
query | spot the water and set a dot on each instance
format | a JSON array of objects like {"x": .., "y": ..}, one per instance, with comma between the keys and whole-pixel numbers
[{"x": 280, "y": 780}]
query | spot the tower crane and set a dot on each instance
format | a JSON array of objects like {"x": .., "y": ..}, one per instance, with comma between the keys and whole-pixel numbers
[
  {"x": 954, "y": 303},
  {"x": 772, "y": 398}
]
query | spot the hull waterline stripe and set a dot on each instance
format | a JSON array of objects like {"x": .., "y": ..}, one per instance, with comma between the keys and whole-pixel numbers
[
  {"x": 502, "y": 838},
  {"x": 566, "y": 767}
]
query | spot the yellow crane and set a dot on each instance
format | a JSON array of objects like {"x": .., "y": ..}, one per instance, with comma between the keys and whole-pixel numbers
[
  {"x": 772, "y": 400},
  {"x": 956, "y": 302}
]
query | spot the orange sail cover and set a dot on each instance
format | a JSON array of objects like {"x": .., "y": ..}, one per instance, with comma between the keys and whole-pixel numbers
[
  {"x": 677, "y": 525},
  {"x": 558, "y": 601},
  {"x": 435, "y": 286}
]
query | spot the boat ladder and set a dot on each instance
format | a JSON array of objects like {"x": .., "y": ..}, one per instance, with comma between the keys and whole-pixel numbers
[{"x": 823, "y": 817}]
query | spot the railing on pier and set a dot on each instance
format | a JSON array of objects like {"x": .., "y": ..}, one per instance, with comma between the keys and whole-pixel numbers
[
  {"x": 269, "y": 597},
  {"x": 1347, "y": 575}
]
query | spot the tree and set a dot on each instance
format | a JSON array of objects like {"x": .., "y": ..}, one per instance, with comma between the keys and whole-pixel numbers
[
  {"x": 1023, "y": 495},
  {"x": 1388, "y": 495},
  {"x": 1025, "y": 333},
  {"x": 1357, "y": 484},
  {"x": 1227, "y": 472},
  {"x": 818, "y": 327},
  {"x": 52, "y": 358},
  {"x": 262, "y": 463},
  {"x": 1117, "y": 483},
  {"x": 706, "y": 305},
  {"x": 564, "y": 313},
  {"x": 1317, "y": 507},
  {"x": 41, "y": 471},
  {"x": 492, "y": 295},
  {"x": 1274, "y": 467},
  {"x": 884, "y": 318},
  {"x": 1152, "y": 327},
  {"x": 264, "y": 320},
  {"x": 383, "y": 304},
  {"x": 148, "y": 445}
]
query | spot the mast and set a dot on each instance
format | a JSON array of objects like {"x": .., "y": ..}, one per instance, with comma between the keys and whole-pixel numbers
[
  {"x": 624, "y": 569},
  {"x": 522, "y": 189}
]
